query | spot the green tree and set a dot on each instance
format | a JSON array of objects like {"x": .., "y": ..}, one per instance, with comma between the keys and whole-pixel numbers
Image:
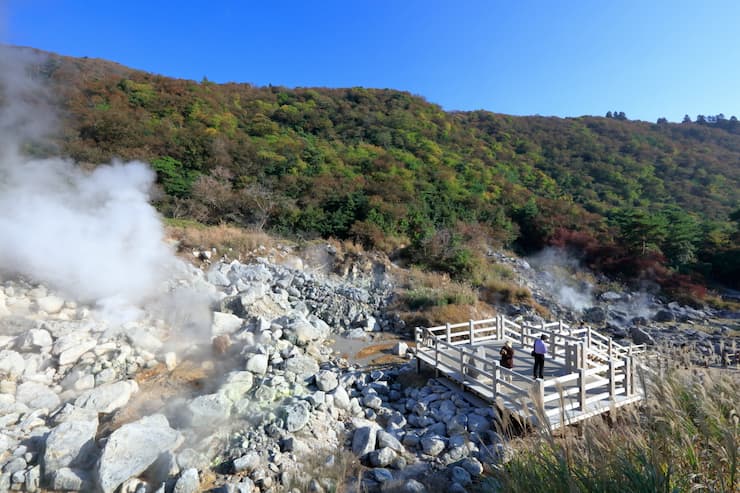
[
  {"x": 174, "y": 177},
  {"x": 683, "y": 234},
  {"x": 641, "y": 231}
]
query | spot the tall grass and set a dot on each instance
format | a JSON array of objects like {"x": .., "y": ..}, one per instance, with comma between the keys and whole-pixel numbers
[{"x": 683, "y": 438}]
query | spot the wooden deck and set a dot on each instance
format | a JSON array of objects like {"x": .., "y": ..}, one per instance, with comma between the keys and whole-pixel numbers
[{"x": 586, "y": 373}]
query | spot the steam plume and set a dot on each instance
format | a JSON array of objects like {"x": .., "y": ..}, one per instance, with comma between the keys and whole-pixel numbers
[{"x": 93, "y": 236}]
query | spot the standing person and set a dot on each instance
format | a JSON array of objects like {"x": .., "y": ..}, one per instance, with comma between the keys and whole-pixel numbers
[
  {"x": 507, "y": 358},
  {"x": 539, "y": 352}
]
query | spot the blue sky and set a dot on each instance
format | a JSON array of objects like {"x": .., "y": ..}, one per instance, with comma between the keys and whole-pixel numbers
[{"x": 649, "y": 58}]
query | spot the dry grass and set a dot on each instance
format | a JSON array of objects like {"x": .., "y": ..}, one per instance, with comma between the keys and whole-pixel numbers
[
  {"x": 684, "y": 438},
  {"x": 234, "y": 242}
]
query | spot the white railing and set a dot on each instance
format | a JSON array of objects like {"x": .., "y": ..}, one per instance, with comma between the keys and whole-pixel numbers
[{"x": 596, "y": 368}]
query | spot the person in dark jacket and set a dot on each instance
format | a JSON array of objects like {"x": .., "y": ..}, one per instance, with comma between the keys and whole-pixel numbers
[
  {"x": 539, "y": 352},
  {"x": 507, "y": 358}
]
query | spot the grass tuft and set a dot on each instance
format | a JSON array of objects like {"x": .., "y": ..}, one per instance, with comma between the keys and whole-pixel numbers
[{"x": 684, "y": 438}]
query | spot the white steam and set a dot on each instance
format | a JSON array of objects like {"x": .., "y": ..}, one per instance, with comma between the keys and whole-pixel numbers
[
  {"x": 90, "y": 235},
  {"x": 93, "y": 236},
  {"x": 561, "y": 278}
]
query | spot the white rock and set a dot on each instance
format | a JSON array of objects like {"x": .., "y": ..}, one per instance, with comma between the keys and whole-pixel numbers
[
  {"x": 209, "y": 410},
  {"x": 132, "y": 448},
  {"x": 225, "y": 323},
  {"x": 12, "y": 364},
  {"x": 257, "y": 364},
  {"x": 72, "y": 443},
  {"x": 36, "y": 395},
  {"x": 108, "y": 397},
  {"x": 50, "y": 304}
]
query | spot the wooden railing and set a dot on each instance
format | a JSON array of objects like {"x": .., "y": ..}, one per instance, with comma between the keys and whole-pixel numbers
[{"x": 596, "y": 369}]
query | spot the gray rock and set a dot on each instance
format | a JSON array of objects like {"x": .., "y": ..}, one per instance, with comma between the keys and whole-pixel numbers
[
  {"x": 50, "y": 304},
  {"x": 664, "y": 315},
  {"x": 341, "y": 399},
  {"x": 382, "y": 475},
  {"x": 385, "y": 439},
  {"x": 257, "y": 364},
  {"x": 303, "y": 366},
  {"x": 225, "y": 323},
  {"x": 594, "y": 315},
  {"x": 107, "y": 397},
  {"x": 363, "y": 440},
  {"x": 372, "y": 401},
  {"x": 36, "y": 395},
  {"x": 14, "y": 465},
  {"x": 326, "y": 380},
  {"x": 34, "y": 340},
  {"x": 460, "y": 475},
  {"x": 143, "y": 339},
  {"x": 432, "y": 445},
  {"x": 67, "y": 479},
  {"x": 132, "y": 448},
  {"x": 400, "y": 349},
  {"x": 301, "y": 332},
  {"x": 478, "y": 423},
  {"x": 472, "y": 465},
  {"x": 70, "y": 347},
  {"x": 188, "y": 482},
  {"x": 70, "y": 444},
  {"x": 382, "y": 457},
  {"x": 12, "y": 364},
  {"x": 639, "y": 336},
  {"x": 297, "y": 415},
  {"x": 237, "y": 385},
  {"x": 610, "y": 296},
  {"x": 208, "y": 410},
  {"x": 413, "y": 486},
  {"x": 248, "y": 462}
]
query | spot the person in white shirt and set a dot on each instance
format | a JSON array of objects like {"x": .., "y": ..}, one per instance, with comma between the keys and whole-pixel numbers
[{"x": 539, "y": 352}]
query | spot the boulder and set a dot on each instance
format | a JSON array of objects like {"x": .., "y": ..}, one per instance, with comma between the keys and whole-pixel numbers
[
  {"x": 257, "y": 364},
  {"x": 188, "y": 482},
  {"x": 208, "y": 410},
  {"x": 70, "y": 444},
  {"x": 363, "y": 440},
  {"x": 36, "y": 396},
  {"x": 225, "y": 323},
  {"x": 107, "y": 397},
  {"x": 664, "y": 315},
  {"x": 326, "y": 380},
  {"x": 594, "y": 315},
  {"x": 132, "y": 448},
  {"x": 640, "y": 336},
  {"x": 296, "y": 415},
  {"x": 50, "y": 304}
]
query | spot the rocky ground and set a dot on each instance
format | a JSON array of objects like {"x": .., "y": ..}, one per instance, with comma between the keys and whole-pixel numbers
[{"x": 267, "y": 395}]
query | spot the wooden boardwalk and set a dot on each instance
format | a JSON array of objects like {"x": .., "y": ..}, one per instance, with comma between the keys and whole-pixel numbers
[{"x": 586, "y": 373}]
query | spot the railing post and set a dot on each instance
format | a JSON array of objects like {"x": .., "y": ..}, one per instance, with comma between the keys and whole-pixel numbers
[
  {"x": 436, "y": 358},
  {"x": 627, "y": 376},
  {"x": 417, "y": 336},
  {"x": 611, "y": 379},
  {"x": 584, "y": 356},
  {"x": 499, "y": 327},
  {"x": 496, "y": 375},
  {"x": 539, "y": 395},
  {"x": 610, "y": 348},
  {"x": 588, "y": 337},
  {"x": 470, "y": 329},
  {"x": 582, "y": 389},
  {"x": 462, "y": 368},
  {"x": 568, "y": 357},
  {"x": 449, "y": 333},
  {"x": 522, "y": 331}
]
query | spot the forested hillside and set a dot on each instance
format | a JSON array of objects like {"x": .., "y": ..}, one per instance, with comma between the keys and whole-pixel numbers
[{"x": 392, "y": 171}]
